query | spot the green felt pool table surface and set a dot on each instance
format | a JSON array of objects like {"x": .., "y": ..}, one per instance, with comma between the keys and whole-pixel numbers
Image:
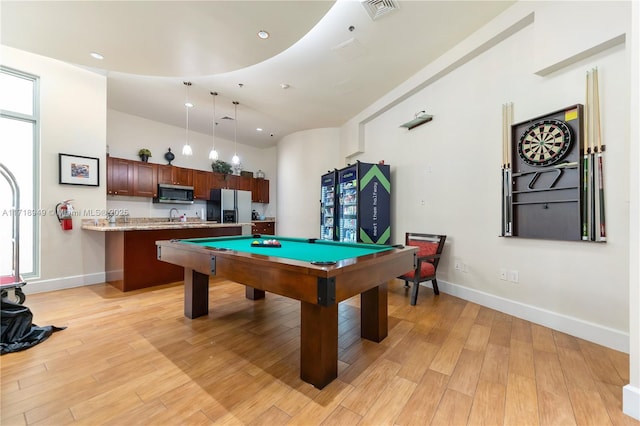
[{"x": 301, "y": 249}]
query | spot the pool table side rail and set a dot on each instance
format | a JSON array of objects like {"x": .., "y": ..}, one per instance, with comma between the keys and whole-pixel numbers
[{"x": 290, "y": 278}]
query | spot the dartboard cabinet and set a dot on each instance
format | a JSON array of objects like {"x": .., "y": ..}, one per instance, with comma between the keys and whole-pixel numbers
[{"x": 546, "y": 175}]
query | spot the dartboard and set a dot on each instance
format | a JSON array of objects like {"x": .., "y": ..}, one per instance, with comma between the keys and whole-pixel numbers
[{"x": 545, "y": 142}]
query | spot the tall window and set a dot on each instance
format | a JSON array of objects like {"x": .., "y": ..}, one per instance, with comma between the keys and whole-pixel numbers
[{"x": 19, "y": 153}]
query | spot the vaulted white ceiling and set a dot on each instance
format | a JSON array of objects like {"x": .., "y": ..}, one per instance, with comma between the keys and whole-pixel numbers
[{"x": 335, "y": 58}]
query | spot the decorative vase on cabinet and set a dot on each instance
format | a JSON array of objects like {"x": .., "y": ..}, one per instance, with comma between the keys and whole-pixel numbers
[{"x": 169, "y": 156}]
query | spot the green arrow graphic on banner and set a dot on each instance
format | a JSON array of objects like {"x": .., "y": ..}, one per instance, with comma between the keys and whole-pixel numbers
[
  {"x": 373, "y": 173},
  {"x": 382, "y": 240}
]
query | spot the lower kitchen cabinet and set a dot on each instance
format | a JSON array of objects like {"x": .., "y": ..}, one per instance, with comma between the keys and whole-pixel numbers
[{"x": 264, "y": 228}]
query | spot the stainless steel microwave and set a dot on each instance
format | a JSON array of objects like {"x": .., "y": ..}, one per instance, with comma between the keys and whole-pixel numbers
[{"x": 174, "y": 194}]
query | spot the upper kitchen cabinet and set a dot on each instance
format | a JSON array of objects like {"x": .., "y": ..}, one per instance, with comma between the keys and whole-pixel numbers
[
  {"x": 119, "y": 176},
  {"x": 145, "y": 182},
  {"x": 141, "y": 179},
  {"x": 242, "y": 183},
  {"x": 260, "y": 190},
  {"x": 175, "y": 175},
  {"x": 202, "y": 184},
  {"x": 220, "y": 180}
]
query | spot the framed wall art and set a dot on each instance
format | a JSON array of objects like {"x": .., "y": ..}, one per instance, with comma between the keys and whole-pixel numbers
[{"x": 78, "y": 170}]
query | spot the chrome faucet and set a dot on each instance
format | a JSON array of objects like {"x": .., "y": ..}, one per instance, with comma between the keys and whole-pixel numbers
[{"x": 171, "y": 218}]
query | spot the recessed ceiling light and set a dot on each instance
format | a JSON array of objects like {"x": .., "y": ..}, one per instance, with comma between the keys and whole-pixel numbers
[
  {"x": 188, "y": 104},
  {"x": 263, "y": 34},
  {"x": 284, "y": 86},
  {"x": 96, "y": 55},
  {"x": 259, "y": 129}
]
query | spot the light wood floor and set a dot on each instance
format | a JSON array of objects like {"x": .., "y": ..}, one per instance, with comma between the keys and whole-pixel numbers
[{"x": 134, "y": 359}]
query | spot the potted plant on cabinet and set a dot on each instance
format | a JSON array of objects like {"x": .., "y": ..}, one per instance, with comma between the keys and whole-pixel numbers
[
  {"x": 144, "y": 154},
  {"x": 220, "y": 166}
]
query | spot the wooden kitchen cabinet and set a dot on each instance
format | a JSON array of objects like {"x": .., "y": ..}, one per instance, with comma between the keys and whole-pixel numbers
[
  {"x": 175, "y": 175},
  {"x": 119, "y": 176},
  {"x": 220, "y": 181},
  {"x": 165, "y": 174},
  {"x": 263, "y": 228},
  {"x": 145, "y": 179},
  {"x": 260, "y": 190},
  {"x": 141, "y": 179},
  {"x": 202, "y": 184},
  {"x": 243, "y": 183},
  {"x": 183, "y": 176}
]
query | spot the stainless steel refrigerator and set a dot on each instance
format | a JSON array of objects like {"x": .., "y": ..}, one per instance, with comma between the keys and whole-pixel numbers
[{"x": 229, "y": 206}]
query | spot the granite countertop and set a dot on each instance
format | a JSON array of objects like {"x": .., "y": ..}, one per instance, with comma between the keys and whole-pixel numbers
[{"x": 143, "y": 224}]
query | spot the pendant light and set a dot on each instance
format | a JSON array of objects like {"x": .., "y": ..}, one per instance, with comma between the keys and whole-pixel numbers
[
  {"x": 213, "y": 155},
  {"x": 186, "y": 149},
  {"x": 235, "y": 160}
]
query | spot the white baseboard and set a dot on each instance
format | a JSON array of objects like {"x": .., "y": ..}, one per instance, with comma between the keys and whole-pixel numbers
[
  {"x": 605, "y": 336},
  {"x": 40, "y": 286},
  {"x": 631, "y": 401}
]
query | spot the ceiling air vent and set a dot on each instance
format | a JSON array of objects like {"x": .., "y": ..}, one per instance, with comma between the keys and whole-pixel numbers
[{"x": 378, "y": 8}]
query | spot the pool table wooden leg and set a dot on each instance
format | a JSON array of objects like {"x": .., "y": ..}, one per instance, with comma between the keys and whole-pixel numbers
[
  {"x": 373, "y": 313},
  {"x": 196, "y": 293},
  {"x": 318, "y": 344},
  {"x": 253, "y": 293}
]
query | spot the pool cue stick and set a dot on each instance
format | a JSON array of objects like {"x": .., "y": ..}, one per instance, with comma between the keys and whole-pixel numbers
[
  {"x": 502, "y": 195},
  {"x": 598, "y": 135},
  {"x": 592, "y": 166},
  {"x": 585, "y": 166},
  {"x": 505, "y": 178},
  {"x": 509, "y": 187}
]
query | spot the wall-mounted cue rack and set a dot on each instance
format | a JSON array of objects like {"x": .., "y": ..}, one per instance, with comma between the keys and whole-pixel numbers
[{"x": 552, "y": 177}]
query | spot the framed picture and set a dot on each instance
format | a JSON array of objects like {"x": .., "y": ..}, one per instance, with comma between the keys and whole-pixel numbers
[{"x": 79, "y": 170}]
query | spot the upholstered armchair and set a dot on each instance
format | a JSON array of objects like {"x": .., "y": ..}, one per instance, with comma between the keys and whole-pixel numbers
[{"x": 430, "y": 248}]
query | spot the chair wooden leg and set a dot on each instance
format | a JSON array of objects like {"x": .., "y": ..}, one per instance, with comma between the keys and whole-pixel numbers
[
  {"x": 435, "y": 286},
  {"x": 414, "y": 293}
]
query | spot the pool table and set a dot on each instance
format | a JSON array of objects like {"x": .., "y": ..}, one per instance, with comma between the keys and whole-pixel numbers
[{"x": 320, "y": 274}]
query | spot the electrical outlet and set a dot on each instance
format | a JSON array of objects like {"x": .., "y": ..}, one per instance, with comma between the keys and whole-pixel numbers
[
  {"x": 513, "y": 276},
  {"x": 458, "y": 266},
  {"x": 465, "y": 268},
  {"x": 503, "y": 274}
]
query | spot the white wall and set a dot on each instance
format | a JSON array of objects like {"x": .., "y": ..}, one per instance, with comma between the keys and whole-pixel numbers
[
  {"x": 72, "y": 121},
  {"x": 302, "y": 158},
  {"x": 533, "y": 56},
  {"x": 128, "y": 133},
  {"x": 453, "y": 164}
]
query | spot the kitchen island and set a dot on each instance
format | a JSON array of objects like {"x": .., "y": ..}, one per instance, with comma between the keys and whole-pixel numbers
[{"x": 130, "y": 248}]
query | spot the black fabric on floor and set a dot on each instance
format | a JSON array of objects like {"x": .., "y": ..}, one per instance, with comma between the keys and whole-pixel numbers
[{"x": 18, "y": 331}]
